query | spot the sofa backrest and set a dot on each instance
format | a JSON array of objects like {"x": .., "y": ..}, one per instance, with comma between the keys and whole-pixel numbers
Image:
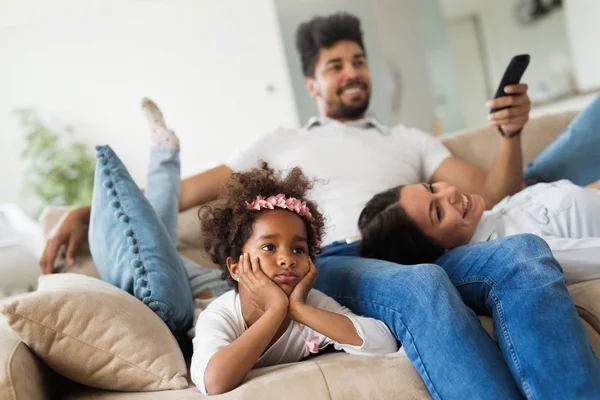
[{"x": 479, "y": 146}]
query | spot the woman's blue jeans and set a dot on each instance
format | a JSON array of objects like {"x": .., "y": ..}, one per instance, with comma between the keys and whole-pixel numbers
[{"x": 542, "y": 350}]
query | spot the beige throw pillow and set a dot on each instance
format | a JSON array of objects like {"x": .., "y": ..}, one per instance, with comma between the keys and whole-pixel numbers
[{"x": 98, "y": 335}]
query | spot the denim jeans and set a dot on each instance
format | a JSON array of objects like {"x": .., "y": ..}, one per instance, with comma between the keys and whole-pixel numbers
[
  {"x": 542, "y": 350},
  {"x": 574, "y": 154},
  {"x": 162, "y": 192},
  {"x": 157, "y": 226}
]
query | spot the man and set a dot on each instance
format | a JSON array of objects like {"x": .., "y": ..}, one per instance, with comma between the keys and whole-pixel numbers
[{"x": 429, "y": 308}]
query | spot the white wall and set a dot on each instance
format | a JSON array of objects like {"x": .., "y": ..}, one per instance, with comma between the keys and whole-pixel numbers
[
  {"x": 441, "y": 65},
  {"x": 546, "y": 40},
  {"x": 583, "y": 31},
  {"x": 209, "y": 64}
]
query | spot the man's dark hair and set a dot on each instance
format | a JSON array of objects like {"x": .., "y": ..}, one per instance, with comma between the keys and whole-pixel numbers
[
  {"x": 324, "y": 32},
  {"x": 389, "y": 234}
]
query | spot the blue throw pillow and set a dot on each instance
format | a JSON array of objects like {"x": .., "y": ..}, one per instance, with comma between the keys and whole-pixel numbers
[
  {"x": 574, "y": 155},
  {"x": 131, "y": 247}
]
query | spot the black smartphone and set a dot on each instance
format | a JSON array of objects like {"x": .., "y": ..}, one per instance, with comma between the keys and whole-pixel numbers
[{"x": 512, "y": 75}]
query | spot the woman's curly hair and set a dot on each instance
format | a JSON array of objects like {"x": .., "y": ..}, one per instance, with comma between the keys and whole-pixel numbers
[{"x": 227, "y": 225}]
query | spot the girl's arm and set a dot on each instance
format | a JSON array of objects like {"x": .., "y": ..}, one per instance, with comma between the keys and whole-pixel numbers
[
  {"x": 353, "y": 334},
  {"x": 335, "y": 326},
  {"x": 228, "y": 367}
]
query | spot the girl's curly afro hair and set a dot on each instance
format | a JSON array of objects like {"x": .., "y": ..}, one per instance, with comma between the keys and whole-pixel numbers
[{"x": 227, "y": 224}]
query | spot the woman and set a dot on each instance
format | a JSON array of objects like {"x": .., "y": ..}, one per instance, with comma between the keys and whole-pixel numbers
[{"x": 418, "y": 223}]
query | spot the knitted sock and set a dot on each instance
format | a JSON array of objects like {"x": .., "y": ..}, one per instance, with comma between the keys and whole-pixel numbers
[{"x": 161, "y": 135}]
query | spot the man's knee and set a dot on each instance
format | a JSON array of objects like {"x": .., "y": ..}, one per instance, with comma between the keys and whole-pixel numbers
[
  {"x": 428, "y": 274},
  {"x": 526, "y": 247},
  {"x": 423, "y": 281},
  {"x": 528, "y": 256},
  {"x": 365, "y": 277}
]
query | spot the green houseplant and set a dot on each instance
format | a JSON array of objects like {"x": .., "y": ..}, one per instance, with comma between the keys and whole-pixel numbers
[{"x": 60, "y": 170}]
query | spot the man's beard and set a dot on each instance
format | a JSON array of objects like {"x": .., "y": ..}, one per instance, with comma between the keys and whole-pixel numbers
[
  {"x": 342, "y": 110},
  {"x": 347, "y": 111}
]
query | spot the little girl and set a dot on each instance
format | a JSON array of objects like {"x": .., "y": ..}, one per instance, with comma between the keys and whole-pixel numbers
[
  {"x": 264, "y": 245},
  {"x": 264, "y": 235}
]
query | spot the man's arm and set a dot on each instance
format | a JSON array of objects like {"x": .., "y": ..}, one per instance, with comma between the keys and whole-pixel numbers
[
  {"x": 72, "y": 228},
  {"x": 505, "y": 176},
  {"x": 202, "y": 188}
]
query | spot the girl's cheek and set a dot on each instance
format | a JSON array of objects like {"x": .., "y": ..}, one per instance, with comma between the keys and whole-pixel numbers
[{"x": 305, "y": 266}]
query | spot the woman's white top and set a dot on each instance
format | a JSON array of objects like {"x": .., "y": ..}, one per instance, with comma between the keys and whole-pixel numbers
[
  {"x": 567, "y": 216},
  {"x": 222, "y": 323}
]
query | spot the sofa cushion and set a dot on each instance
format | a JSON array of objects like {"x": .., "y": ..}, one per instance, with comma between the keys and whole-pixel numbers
[
  {"x": 22, "y": 375},
  {"x": 574, "y": 154},
  {"x": 98, "y": 335},
  {"x": 336, "y": 376}
]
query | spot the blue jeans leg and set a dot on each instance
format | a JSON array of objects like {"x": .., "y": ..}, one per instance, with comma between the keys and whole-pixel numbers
[
  {"x": 131, "y": 247},
  {"x": 162, "y": 187},
  {"x": 518, "y": 282},
  {"x": 162, "y": 192},
  {"x": 442, "y": 337}
]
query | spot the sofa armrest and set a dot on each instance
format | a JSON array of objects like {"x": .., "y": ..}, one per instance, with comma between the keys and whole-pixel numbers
[
  {"x": 22, "y": 375},
  {"x": 587, "y": 301},
  {"x": 479, "y": 146}
]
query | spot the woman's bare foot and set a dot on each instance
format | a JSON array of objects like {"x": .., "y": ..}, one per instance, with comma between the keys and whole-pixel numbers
[{"x": 161, "y": 135}]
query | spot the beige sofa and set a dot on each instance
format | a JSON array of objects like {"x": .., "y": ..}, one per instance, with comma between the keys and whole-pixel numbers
[{"x": 330, "y": 376}]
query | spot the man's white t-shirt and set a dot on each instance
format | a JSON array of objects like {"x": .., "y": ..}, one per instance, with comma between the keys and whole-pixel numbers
[
  {"x": 353, "y": 162},
  {"x": 222, "y": 323}
]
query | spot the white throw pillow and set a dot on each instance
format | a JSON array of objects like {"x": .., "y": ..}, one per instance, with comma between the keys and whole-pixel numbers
[{"x": 98, "y": 335}]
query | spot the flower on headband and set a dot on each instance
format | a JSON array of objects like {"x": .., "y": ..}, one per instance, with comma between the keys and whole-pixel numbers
[
  {"x": 289, "y": 203},
  {"x": 280, "y": 201},
  {"x": 312, "y": 346}
]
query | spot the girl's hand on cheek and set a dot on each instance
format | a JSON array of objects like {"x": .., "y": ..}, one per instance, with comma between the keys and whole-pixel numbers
[
  {"x": 264, "y": 293},
  {"x": 300, "y": 292}
]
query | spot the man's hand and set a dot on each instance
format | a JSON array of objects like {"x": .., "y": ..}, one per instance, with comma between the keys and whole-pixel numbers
[
  {"x": 511, "y": 120},
  {"x": 264, "y": 293},
  {"x": 70, "y": 231},
  {"x": 300, "y": 292}
]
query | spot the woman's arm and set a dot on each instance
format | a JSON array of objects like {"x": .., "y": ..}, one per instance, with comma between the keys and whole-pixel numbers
[{"x": 228, "y": 367}]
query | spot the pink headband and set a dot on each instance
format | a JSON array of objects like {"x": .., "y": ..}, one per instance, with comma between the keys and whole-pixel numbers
[{"x": 291, "y": 203}]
